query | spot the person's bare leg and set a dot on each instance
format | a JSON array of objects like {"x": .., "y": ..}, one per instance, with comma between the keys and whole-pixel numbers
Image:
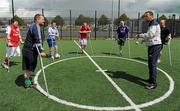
[
  {"x": 27, "y": 74},
  {"x": 55, "y": 49},
  {"x": 83, "y": 47},
  {"x": 27, "y": 79},
  {"x": 52, "y": 52},
  {"x": 120, "y": 50},
  {"x": 5, "y": 62},
  {"x": 56, "y": 52}
]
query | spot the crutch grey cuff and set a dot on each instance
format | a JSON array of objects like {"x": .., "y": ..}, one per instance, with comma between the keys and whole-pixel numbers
[{"x": 39, "y": 46}]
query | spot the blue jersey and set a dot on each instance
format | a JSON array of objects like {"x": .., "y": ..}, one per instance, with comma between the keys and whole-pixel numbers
[{"x": 122, "y": 32}]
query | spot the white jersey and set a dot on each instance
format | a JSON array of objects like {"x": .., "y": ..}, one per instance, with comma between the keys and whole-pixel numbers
[
  {"x": 52, "y": 32},
  {"x": 153, "y": 35}
]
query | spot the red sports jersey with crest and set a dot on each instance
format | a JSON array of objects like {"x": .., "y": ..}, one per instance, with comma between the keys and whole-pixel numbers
[
  {"x": 14, "y": 34},
  {"x": 84, "y": 28}
]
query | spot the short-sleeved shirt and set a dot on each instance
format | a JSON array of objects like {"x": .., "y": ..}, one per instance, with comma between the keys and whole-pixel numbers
[
  {"x": 122, "y": 32},
  {"x": 14, "y": 33},
  {"x": 84, "y": 28},
  {"x": 52, "y": 32},
  {"x": 164, "y": 34}
]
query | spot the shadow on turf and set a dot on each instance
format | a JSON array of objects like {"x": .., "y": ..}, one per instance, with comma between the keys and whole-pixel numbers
[
  {"x": 140, "y": 59},
  {"x": 13, "y": 63},
  {"x": 112, "y": 54},
  {"x": 20, "y": 81},
  {"x": 74, "y": 52},
  {"x": 128, "y": 77}
]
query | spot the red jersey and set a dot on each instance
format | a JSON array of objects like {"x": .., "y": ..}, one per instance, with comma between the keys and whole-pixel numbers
[
  {"x": 84, "y": 28},
  {"x": 14, "y": 34}
]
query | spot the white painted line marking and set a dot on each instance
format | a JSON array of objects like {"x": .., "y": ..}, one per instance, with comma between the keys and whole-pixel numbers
[
  {"x": 111, "y": 81},
  {"x": 103, "y": 70},
  {"x": 118, "y": 108}
]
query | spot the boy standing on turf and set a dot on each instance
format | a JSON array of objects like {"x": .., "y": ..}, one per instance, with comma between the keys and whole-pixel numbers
[
  {"x": 52, "y": 34},
  {"x": 29, "y": 51},
  {"x": 153, "y": 42},
  {"x": 84, "y": 30},
  {"x": 122, "y": 32},
  {"x": 165, "y": 36},
  {"x": 13, "y": 39}
]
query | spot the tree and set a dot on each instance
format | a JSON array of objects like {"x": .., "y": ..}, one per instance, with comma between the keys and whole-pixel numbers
[
  {"x": 59, "y": 20},
  {"x": 81, "y": 19},
  {"x": 163, "y": 17},
  {"x": 20, "y": 20},
  {"x": 103, "y": 20},
  {"x": 123, "y": 17}
]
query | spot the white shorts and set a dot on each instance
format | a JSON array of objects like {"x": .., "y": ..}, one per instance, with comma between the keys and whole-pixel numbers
[
  {"x": 13, "y": 51},
  {"x": 83, "y": 41}
]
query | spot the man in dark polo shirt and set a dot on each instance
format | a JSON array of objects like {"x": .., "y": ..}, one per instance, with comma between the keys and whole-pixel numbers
[
  {"x": 122, "y": 32},
  {"x": 29, "y": 51}
]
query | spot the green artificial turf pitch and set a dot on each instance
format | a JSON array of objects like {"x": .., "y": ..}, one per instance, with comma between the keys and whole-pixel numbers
[{"x": 78, "y": 81}]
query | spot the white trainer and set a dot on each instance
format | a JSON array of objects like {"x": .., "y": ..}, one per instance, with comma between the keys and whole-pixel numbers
[
  {"x": 57, "y": 55},
  {"x": 52, "y": 57}
]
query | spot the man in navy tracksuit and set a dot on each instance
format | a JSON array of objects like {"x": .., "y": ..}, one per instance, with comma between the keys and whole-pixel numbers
[
  {"x": 122, "y": 32},
  {"x": 153, "y": 42},
  {"x": 30, "y": 53}
]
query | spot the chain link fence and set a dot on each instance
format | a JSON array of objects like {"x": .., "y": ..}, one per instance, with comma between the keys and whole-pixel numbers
[{"x": 70, "y": 30}]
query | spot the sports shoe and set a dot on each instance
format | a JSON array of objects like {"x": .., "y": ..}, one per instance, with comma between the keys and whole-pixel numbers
[
  {"x": 151, "y": 86},
  {"x": 158, "y": 61},
  {"x": 57, "y": 55},
  {"x": 52, "y": 57},
  {"x": 27, "y": 83},
  {"x": 5, "y": 66}
]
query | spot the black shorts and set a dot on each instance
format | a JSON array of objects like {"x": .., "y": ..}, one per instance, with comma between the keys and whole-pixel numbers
[
  {"x": 29, "y": 61},
  {"x": 121, "y": 42}
]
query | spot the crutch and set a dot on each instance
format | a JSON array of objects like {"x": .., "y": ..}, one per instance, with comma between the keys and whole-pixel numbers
[
  {"x": 129, "y": 46},
  {"x": 169, "y": 49},
  {"x": 42, "y": 69},
  {"x": 89, "y": 34}
]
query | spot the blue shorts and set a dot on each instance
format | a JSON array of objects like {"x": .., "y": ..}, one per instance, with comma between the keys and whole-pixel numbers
[{"x": 51, "y": 42}]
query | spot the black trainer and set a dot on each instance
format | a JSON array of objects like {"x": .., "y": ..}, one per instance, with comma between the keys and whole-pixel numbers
[
  {"x": 148, "y": 81},
  {"x": 151, "y": 86}
]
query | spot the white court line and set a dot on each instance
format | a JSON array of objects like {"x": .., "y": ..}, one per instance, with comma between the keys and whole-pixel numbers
[
  {"x": 111, "y": 81},
  {"x": 103, "y": 70},
  {"x": 166, "y": 95},
  {"x": 118, "y": 108}
]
